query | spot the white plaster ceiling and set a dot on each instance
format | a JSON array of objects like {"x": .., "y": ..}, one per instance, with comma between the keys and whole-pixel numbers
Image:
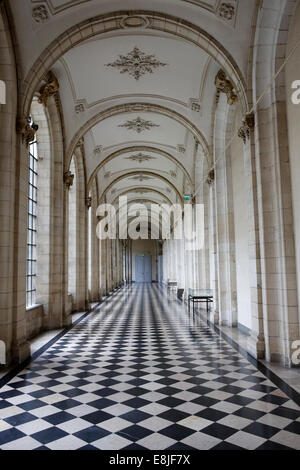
[
  {"x": 148, "y": 188},
  {"x": 147, "y": 161},
  {"x": 108, "y": 132},
  {"x": 93, "y": 81},
  {"x": 34, "y": 37},
  {"x": 89, "y": 87}
]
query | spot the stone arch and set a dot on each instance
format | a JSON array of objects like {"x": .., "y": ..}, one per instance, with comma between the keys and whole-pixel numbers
[
  {"x": 140, "y": 187},
  {"x": 146, "y": 173},
  {"x": 139, "y": 148},
  {"x": 134, "y": 108}
]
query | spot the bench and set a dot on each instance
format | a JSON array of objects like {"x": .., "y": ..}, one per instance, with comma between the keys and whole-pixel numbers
[{"x": 200, "y": 295}]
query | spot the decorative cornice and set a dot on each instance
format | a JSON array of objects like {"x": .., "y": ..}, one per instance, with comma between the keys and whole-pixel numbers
[
  {"x": 224, "y": 85},
  {"x": 247, "y": 127},
  {"x": 226, "y": 11},
  {"x": 49, "y": 88},
  {"x": 61, "y": 6},
  {"x": 68, "y": 179},
  {"x": 132, "y": 21},
  {"x": 136, "y": 63},
  {"x": 138, "y": 125},
  {"x": 26, "y": 129}
]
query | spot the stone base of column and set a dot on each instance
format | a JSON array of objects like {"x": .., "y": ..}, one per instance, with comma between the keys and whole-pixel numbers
[
  {"x": 67, "y": 320},
  {"x": 20, "y": 352},
  {"x": 256, "y": 346},
  {"x": 285, "y": 360},
  {"x": 213, "y": 317}
]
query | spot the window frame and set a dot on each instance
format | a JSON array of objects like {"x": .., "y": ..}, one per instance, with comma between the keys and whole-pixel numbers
[{"x": 32, "y": 197}]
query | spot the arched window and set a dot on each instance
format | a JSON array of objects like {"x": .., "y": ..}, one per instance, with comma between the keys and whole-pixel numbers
[
  {"x": 39, "y": 211},
  {"x": 32, "y": 224}
]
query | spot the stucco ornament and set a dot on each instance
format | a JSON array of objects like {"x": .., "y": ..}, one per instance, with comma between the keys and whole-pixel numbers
[{"x": 136, "y": 63}]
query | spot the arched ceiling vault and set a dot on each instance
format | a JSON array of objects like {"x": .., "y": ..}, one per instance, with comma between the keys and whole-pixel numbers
[
  {"x": 137, "y": 87},
  {"x": 147, "y": 174},
  {"x": 149, "y": 195},
  {"x": 144, "y": 20},
  {"x": 139, "y": 159},
  {"x": 136, "y": 109}
]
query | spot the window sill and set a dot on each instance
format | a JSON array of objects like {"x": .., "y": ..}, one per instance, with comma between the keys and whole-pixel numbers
[{"x": 33, "y": 307}]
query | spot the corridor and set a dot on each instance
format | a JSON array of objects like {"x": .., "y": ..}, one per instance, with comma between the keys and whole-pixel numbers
[{"x": 139, "y": 372}]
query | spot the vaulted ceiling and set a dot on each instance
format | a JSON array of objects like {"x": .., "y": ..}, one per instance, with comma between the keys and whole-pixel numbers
[{"x": 162, "y": 85}]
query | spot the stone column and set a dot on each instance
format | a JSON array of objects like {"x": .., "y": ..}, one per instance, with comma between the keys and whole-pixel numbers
[
  {"x": 256, "y": 342},
  {"x": 109, "y": 265},
  {"x": 81, "y": 242},
  {"x": 58, "y": 313},
  {"x": 214, "y": 282},
  {"x": 224, "y": 221},
  {"x": 95, "y": 281},
  {"x": 103, "y": 267},
  {"x": 7, "y": 190}
]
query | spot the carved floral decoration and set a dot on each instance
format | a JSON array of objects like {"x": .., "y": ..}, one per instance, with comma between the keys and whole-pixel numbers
[
  {"x": 224, "y": 85},
  {"x": 68, "y": 179},
  {"x": 136, "y": 63},
  {"x": 27, "y": 129},
  {"x": 49, "y": 88},
  {"x": 138, "y": 125},
  {"x": 40, "y": 14},
  {"x": 227, "y": 11},
  {"x": 140, "y": 158}
]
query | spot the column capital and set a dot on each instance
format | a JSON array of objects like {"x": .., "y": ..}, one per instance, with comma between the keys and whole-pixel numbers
[
  {"x": 224, "y": 85},
  {"x": 210, "y": 177},
  {"x": 68, "y": 179},
  {"x": 88, "y": 202},
  {"x": 49, "y": 88},
  {"x": 26, "y": 129},
  {"x": 247, "y": 127}
]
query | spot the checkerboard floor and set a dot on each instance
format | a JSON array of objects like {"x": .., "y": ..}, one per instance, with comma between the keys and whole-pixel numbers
[{"x": 140, "y": 373}]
